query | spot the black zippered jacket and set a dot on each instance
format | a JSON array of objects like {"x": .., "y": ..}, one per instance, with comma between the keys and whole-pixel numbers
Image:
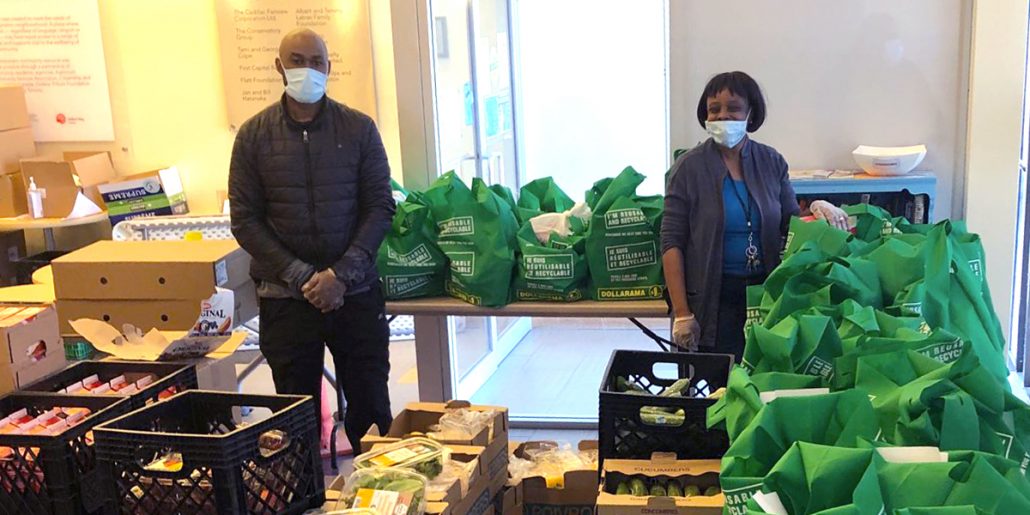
[{"x": 316, "y": 193}]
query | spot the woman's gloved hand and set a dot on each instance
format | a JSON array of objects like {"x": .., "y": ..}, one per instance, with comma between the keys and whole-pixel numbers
[
  {"x": 686, "y": 332},
  {"x": 835, "y": 216}
]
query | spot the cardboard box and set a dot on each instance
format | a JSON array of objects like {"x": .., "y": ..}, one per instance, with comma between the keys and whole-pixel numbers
[
  {"x": 12, "y": 249},
  {"x": 150, "y": 270},
  {"x": 30, "y": 345},
  {"x": 15, "y": 145},
  {"x": 13, "y": 202},
  {"x": 577, "y": 495},
  {"x": 704, "y": 473},
  {"x": 418, "y": 417},
  {"x": 154, "y": 193},
  {"x": 93, "y": 169},
  {"x": 164, "y": 315},
  {"x": 59, "y": 180},
  {"x": 14, "y": 111}
]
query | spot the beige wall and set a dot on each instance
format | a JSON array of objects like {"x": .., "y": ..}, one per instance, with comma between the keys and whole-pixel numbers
[
  {"x": 167, "y": 96},
  {"x": 995, "y": 120}
]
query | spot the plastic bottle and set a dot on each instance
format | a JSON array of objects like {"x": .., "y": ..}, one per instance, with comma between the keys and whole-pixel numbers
[{"x": 35, "y": 199}]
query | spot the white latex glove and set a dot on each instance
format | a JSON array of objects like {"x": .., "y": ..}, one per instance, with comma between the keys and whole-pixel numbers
[
  {"x": 686, "y": 332},
  {"x": 835, "y": 216}
]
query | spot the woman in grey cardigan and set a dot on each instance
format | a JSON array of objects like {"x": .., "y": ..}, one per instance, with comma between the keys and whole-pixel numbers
[{"x": 728, "y": 203}]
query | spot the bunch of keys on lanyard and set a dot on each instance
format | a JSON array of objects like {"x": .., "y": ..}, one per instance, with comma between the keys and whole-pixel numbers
[{"x": 752, "y": 261}]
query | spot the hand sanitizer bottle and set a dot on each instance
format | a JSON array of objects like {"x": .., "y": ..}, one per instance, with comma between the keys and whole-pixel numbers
[{"x": 35, "y": 199}]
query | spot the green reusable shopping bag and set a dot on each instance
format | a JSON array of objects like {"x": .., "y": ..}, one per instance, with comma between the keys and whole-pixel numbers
[
  {"x": 940, "y": 346},
  {"x": 812, "y": 478},
  {"x": 959, "y": 483},
  {"x": 542, "y": 196},
  {"x": 556, "y": 271},
  {"x": 802, "y": 344},
  {"x": 506, "y": 195},
  {"x": 872, "y": 222},
  {"x": 824, "y": 284},
  {"x": 840, "y": 419},
  {"x": 958, "y": 406},
  {"x": 957, "y": 300},
  {"x": 409, "y": 262},
  {"x": 476, "y": 230},
  {"x": 755, "y": 311},
  {"x": 816, "y": 235},
  {"x": 623, "y": 252},
  {"x": 742, "y": 400}
]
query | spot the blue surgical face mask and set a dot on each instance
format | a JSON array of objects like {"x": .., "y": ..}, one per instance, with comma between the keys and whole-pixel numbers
[
  {"x": 305, "y": 85},
  {"x": 727, "y": 133}
]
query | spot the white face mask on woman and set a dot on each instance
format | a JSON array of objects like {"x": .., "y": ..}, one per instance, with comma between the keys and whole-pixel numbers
[
  {"x": 305, "y": 85},
  {"x": 727, "y": 133}
]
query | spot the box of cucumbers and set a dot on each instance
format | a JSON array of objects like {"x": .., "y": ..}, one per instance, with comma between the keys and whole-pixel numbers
[{"x": 662, "y": 483}]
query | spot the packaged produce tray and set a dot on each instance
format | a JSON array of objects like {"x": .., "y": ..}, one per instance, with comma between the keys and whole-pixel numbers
[
  {"x": 53, "y": 473},
  {"x": 169, "y": 378},
  {"x": 672, "y": 423},
  {"x": 188, "y": 455}
]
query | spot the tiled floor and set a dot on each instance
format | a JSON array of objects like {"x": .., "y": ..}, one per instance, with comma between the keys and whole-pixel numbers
[{"x": 555, "y": 372}]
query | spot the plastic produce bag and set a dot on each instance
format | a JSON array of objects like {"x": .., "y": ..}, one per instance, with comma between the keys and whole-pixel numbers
[
  {"x": 477, "y": 233},
  {"x": 462, "y": 424},
  {"x": 387, "y": 491},
  {"x": 425, "y": 456},
  {"x": 542, "y": 196},
  {"x": 409, "y": 262},
  {"x": 623, "y": 250},
  {"x": 840, "y": 419}
]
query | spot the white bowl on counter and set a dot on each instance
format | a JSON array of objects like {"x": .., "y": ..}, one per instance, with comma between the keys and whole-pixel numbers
[{"x": 888, "y": 160}]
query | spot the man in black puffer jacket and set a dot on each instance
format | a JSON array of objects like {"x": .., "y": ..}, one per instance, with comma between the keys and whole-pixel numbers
[{"x": 310, "y": 199}]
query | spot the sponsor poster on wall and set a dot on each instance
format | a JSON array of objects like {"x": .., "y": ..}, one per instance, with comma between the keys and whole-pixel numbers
[
  {"x": 250, "y": 32},
  {"x": 53, "y": 48}
]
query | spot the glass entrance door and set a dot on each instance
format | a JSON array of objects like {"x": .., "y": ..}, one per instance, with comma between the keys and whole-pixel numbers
[{"x": 475, "y": 135}]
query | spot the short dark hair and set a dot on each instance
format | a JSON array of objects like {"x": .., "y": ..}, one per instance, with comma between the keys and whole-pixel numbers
[{"x": 740, "y": 84}]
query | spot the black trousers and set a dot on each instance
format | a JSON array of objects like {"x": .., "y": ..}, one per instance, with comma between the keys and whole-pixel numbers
[
  {"x": 294, "y": 335},
  {"x": 729, "y": 335}
]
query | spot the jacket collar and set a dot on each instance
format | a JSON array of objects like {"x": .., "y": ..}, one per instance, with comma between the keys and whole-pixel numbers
[{"x": 314, "y": 123}]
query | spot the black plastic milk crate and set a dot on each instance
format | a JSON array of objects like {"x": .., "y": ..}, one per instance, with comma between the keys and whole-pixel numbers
[
  {"x": 625, "y": 434},
  {"x": 224, "y": 468},
  {"x": 179, "y": 376},
  {"x": 53, "y": 474}
]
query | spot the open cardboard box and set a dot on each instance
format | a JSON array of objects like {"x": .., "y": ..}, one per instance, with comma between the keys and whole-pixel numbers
[
  {"x": 30, "y": 345},
  {"x": 417, "y": 418},
  {"x": 703, "y": 473},
  {"x": 578, "y": 493},
  {"x": 459, "y": 491},
  {"x": 59, "y": 180}
]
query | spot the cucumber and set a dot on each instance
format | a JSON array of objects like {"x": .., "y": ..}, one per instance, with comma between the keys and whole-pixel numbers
[
  {"x": 712, "y": 490},
  {"x": 622, "y": 489},
  {"x": 657, "y": 490},
  {"x": 691, "y": 491},
  {"x": 676, "y": 389},
  {"x": 674, "y": 489},
  {"x": 637, "y": 487}
]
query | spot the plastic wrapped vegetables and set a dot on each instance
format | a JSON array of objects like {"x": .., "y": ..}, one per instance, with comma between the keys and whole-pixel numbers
[
  {"x": 422, "y": 455},
  {"x": 386, "y": 491}
]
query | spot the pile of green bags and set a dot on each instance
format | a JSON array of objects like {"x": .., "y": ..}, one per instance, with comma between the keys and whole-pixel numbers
[
  {"x": 482, "y": 245},
  {"x": 895, "y": 325}
]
